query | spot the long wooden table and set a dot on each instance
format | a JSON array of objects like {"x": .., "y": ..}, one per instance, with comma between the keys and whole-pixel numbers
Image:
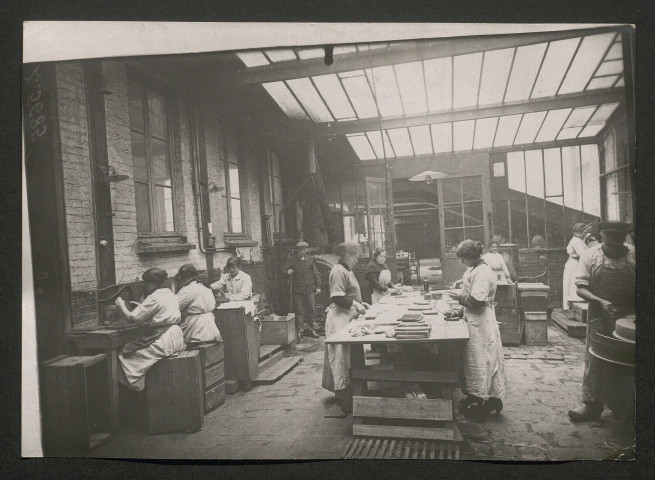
[
  {"x": 109, "y": 340},
  {"x": 438, "y": 413}
]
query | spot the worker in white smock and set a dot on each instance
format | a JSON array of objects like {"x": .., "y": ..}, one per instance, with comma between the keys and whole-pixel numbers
[
  {"x": 236, "y": 287},
  {"x": 164, "y": 338},
  {"x": 347, "y": 305},
  {"x": 197, "y": 305},
  {"x": 496, "y": 262},
  {"x": 575, "y": 249}
]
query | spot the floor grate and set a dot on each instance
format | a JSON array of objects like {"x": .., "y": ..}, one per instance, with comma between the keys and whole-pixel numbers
[{"x": 389, "y": 448}]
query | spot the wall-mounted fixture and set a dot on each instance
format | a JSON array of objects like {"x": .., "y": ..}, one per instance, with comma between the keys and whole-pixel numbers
[
  {"x": 212, "y": 187},
  {"x": 428, "y": 177},
  {"x": 109, "y": 174}
]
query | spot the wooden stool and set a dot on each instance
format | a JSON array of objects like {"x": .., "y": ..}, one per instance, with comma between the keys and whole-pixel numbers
[
  {"x": 175, "y": 395},
  {"x": 75, "y": 404},
  {"x": 213, "y": 373}
]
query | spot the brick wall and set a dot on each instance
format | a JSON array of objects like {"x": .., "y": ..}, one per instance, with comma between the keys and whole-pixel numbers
[{"x": 534, "y": 262}]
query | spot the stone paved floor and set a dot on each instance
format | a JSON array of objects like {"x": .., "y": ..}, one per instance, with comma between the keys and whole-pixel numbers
[{"x": 286, "y": 420}]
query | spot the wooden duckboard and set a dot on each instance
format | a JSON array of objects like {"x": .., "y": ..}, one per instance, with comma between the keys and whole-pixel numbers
[
  {"x": 572, "y": 328},
  {"x": 388, "y": 448},
  {"x": 277, "y": 371}
]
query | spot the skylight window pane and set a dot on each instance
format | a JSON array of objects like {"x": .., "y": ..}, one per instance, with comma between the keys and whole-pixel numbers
[
  {"x": 567, "y": 133},
  {"x": 603, "y": 113},
  {"x": 602, "y": 82},
  {"x": 467, "y": 79},
  {"x": 552, "y": 124},
  {"x": 515, "y": 171},
  {"x": 442, "y": 137},
  {"x": 400, "y": 141},
  {"x": 506, "y": 131},
  {"x": 334, "y": 95},
  {"x": 589, "y": 54},
  {"x": 553, "y": 172},
  {"x": 524, "y": 71},
  {"x": 360, "y": 145},
  {"x": 579, "y": 116},
  {"x": 571, "y": 177},
  {"x": 360, "y": 95},
  {"x": 376, "y": 140},
  {"x": 421, "y": 139},
  {"x": 342, "y": 50},
  {"x": 284, "y": 98},
  {"x": 529, "y": 127},
  {"x": 485, "y": 129},
  {"x": 621, "y": 82},
  {"x": 352, "y": 73},
  {"x": 253, "y": 58},
  {"x": 439, "y": 83},
  {"x": 552, "y": 72},
  {"x": 383, "y": 84},
  {"x": 306, "y": 53},
  {"x": 534, "y": 179},
  {"x": 411, "y": 84},
  {"x": 280, "y": 54},
  {"x": 610, "y": 68},
  {"x": 591, "y": 130},
  {"x": 310, "y": 99},
  {"x": 463, "y": 135},
  {"x": 495, "y": 72},
  {"x": 616, "y": 52}
]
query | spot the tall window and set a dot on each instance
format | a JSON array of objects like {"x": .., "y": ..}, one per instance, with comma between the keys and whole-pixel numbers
[
  {"x": 232, "y": 192},
  {"x": 462, "y": 210},
  {"x": 275, "y": 187},
  {"x": 151, "y": 154},
  {"x": 550, "y": 191},
  {"x": 615, "y": 181}
]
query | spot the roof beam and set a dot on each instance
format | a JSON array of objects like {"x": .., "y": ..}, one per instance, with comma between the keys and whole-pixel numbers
[
  {"x": 571, "y": 100},
  {"x": 428, "y": 49}
]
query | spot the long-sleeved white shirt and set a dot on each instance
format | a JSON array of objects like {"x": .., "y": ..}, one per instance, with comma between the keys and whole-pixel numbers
[{"x": 238, "y": 287}]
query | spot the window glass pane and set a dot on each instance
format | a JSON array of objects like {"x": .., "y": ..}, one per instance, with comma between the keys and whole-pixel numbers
[
  {"x": 467, "y": 80},
  {"x": 421, "y": 139},
  {"x": 537, "y": 214},
  {"x": 453, "y": 238},
  {"x": 610, "y": 153},
  {"x": 485, "y": 130},
  {"x": 554, "y": 67},
  {"x": 334, "y": 95},
  {"x": 285, "y": 99},
  {"x": 475, "y": 233},
  {"x": 382, "y": 81},
  {"x": 157, "y": 112},
  {"x": 161, "y": 170},
  {"x": 361, "y": 146},
  {"x": 410, "y": 76},
  {"x": 472, "y": 188},
  {"x": 162, "y": 205},
  {"x": 552, "y": 124},
  {"x": 515, "y": 171},
  {"x": 139, "y": 157},
  {"x": 253, "y": 58},
  {"x": 452, "y": 190},
  {"x": 376, "y": 139},
  {"x": 584, "y": 63},
  {"x": 519, "y": 221},
  {"x": 235, "y": 215},
  {"x": 452, "y": 216},
  {"x": 473, "y": 214},
  {"x": 530, "y": 125},
  {"x": 135, "y": 101},
  {"x": 402, "y": 145},
  {"x": 438, "y": 82},
  {"x": 501, "y": 219},
  {"x": 553, "y": 170},
  {"x": 310, "y": 99},
  {"x": 277, "y": 190},
  {"x": 534, "y": 173},
  {"x": 572, "y": 180},
  {"x": 590, "y": 180},
  {"x": 142, "y": 208},
  {"x": 442, "y": 137},
  {"x": 360, "y": 95},
  {"x": 555, "y": 237},
  {"x": 234, "y": 179},
  {"x": 524, "y": 71},
  {"x": 506, "y": 130},
  {"x": 611, "y": 198},
  {"x": 494, "y": 75},
  {"x": 463, "y": 134}
]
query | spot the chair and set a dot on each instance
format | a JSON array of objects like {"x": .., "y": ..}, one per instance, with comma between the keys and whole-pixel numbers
[{"x": 414, "y": 267}]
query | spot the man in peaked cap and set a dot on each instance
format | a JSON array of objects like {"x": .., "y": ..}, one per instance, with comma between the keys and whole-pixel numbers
[
  {"x": 606, "y": 278},
  {"x": 306, "y": 285}
]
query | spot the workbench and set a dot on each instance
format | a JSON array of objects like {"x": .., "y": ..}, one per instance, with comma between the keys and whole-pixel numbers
[
  {"x": 110, "y": 340},
  {"x": 389, "y": 417}
]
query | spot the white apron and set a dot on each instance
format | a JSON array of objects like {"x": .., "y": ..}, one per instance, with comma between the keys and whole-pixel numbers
[
  {"x": 575, "y": 249},
  {"x": 336, "y": 364},
  {"x": 484, "y": 374}
]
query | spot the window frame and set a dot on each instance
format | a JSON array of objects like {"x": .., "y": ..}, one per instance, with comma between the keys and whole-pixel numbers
[
  {"x": 605, "y": 175},
  {"x": 227, "y": 193},
  {"x": 146, "y": 83},
  {"x": 277, "y": 226}
]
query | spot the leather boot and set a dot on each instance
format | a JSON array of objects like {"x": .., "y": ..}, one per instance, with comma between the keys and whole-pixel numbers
[{"x": 587, "y": 411}]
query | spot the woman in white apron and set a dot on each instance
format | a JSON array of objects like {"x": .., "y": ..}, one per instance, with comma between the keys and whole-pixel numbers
[
  {"x": 347, "y": 304},
  {"x": 197, "y": 305},
  {"x": 496, "y": 262},
  {"x": 378, "y": 276},
  {"x": 575, "y": 248},
  {"x": 164, "y": 338},
  {"x": 484, "y": 373}
]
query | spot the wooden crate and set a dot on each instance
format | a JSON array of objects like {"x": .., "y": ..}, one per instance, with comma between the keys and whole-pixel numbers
[
  {"x": 75, "y": 402},
  {"x": 278, "y": 330},
  {"x": 533, "y": 297},
  {"x": 175, "y": 394},
  {"x": 580, "y": 310},
  {"x": 214, "y": 397},
  {"x": 505, "y": 295},
  {"x": 210, "y": 353},
  {"x": 511, "y": 326},
  {"x": 536, "y": 328},
  {"x": 241, "y": 338},
  {"x": 213, "y": 374}
]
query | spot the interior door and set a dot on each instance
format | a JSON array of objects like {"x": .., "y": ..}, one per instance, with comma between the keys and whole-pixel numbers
[{"x": 462, "y": 215}]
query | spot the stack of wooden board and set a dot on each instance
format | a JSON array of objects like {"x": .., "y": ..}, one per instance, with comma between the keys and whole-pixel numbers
[
  {"x": 572, "y": 328},
  {"x": 412, "y": 330},
  {"x": 213, "y": 373}
]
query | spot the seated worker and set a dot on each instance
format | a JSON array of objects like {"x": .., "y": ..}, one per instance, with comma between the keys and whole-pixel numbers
[
  {"x": 234, "y": 284},
  {"x": 197, "y": 305},
  {"x": 305, "y": 284},
  {"x": 163, "y": 338}
]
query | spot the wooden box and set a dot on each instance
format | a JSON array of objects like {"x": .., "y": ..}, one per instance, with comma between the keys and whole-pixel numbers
[
  {"x": 174, "y": 394},
  {"x": 580, "y": 311},
  {"x": 511, "y": 326},
  {"x": 210, "y": 353},
  {"x": 213, "y": 374},
  {"x": 214, "y": 397},
  {"x": 536, "y": 328},
  {"x": 75, "y": 402},
  {"x": 533, "y": 297},
  {"x": 241, "y": 338},
  {"x": 278, "y": 330},
  {"x": 505, "y": 295}
]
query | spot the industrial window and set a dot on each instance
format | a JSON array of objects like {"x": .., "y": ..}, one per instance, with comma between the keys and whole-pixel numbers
[
  {"x": 275, "y": 188},
  {"x": 462, "y": 210},
  {"x": 616, "y": 190},
  {"x": 151, "y": 154},
  {"x": 549, "y": 191},
  {"x": 232, "y": 192}
]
